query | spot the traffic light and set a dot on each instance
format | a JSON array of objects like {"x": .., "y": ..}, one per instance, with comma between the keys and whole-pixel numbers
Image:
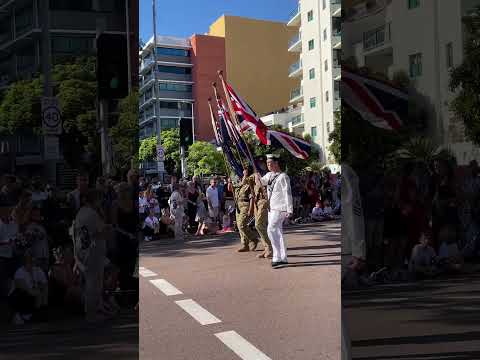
[
  {"x": 186, "y": 132},
  {"x": 112, "y": 66}
]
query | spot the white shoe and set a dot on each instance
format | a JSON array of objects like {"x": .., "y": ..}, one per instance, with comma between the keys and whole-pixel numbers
[
  {"x": 148, "y": 238},
  {"x": 17, "y": 320}
]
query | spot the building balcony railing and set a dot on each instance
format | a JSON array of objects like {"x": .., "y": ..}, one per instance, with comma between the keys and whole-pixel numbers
[
  {"x": 295, "y": 69},
  {"x": 296, "y": 94},
  {"x": 337, "y": 39},
  {"x": 377, "y": 37},
  {"x": 336, "y": 7},
  {"x": 294, "y": 18},
  {"x": 295, "y": 43},
  {"x": 297, "y": 120}
]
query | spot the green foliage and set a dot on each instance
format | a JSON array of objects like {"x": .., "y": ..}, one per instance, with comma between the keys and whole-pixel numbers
[
  {"x": 204, "y": 159},
  {"x": 124, "y": 134},
  {"x": 465, "y": 80},
  {"x": 148, "y": 149},
  {"x": 336, "y": 138},
  {"x": 171, "y": 145}
]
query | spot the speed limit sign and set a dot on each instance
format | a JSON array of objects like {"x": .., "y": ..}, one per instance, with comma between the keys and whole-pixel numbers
[{"x": 52, "y": 120}]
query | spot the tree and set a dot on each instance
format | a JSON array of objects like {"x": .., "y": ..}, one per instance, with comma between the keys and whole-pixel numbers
[
  {"x": 148, "y": 149},
  {"x": 124, "y": 134},
  {"x": 465, "y": 80},
  {"x": 336, "y": 138},
  {"x": 204, "y": 159},
  {"x": 171, "y": 146}
]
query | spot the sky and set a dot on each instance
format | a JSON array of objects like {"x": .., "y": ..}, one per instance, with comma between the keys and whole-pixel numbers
[{"x": 183, "y": 18}]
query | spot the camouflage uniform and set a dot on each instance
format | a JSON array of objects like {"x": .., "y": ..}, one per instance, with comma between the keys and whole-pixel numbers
[
  {"x": 243, "y": 193},
  {"x": 261, "y": 215}
]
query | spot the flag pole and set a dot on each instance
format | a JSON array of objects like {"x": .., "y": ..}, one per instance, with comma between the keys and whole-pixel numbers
[
  {"x": 233, "y": 115},
  {"x": 216, "y": 134},
  {"x": 236, "y": 152}
]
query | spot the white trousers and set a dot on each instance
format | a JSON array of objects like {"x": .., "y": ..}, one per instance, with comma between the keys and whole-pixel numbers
[
  {"x": 275, "y": 233},
  {"x": 179, "y": 225}
]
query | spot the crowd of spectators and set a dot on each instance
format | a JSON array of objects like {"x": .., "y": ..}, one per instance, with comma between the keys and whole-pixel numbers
[{"x": 74, "y": 251}]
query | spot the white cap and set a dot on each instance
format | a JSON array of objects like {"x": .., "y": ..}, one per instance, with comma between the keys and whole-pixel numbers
[{"x": 273, "y": 156}]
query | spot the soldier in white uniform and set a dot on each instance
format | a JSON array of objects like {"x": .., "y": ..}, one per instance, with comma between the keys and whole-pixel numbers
[{"x": 280, "y": 207}]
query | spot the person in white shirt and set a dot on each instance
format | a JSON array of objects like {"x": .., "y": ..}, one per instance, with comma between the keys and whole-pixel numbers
[
  {"x": 8, "y": 234},
  {"x": 151, "y": 225},
  {"x": 280, "y": 207},
  {"x": 176, "y": 203},
  {"x": 29, "y": 291},
  {"x": 213, "y": 200}
]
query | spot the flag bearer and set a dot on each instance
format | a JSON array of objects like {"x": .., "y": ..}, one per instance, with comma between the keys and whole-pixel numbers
[
  {"x": 261, "y": 219},
  {"x": 280, "y": 207},
  {"x": 244, "y": 196}
]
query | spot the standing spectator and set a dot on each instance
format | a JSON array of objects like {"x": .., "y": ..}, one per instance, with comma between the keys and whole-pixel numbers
[
  {"x": 74, "y": 197},
  {"x": 213, "y": 200},
  {"x": 38, "y": 235},
  {"x": 176, "y": 203},
  {"x": 192, "y": 197}
]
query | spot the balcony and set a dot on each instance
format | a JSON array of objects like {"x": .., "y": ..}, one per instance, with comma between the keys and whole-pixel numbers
[
  {"x": 336, "y": 7},
  {"x": 146, "y": 80},
  {"x": 336, "y": 70},
  {"x": 296, "y": 95},
  {"x": 295, "y": 69},
  {"x": 337, "y": 39},
  {"x": 295, "y": 17},
  {"x": 146, "y": 63},
  {"x": 337, "y": 101},
  {"x": 297, "y": 120},
  {"x": 295, "y": 44},
  {"x": 377, "y": 38}
]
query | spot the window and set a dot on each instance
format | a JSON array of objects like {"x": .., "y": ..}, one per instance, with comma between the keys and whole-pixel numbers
[
  {"x": 313, "y": 102},
  {"x": 449, "y": 52},
  {"x": 324, "y": 4},
  {"x": 416, "y": 65},
  {"x": 312, "y": 73},
  {"x": 310, "y": 44},
  {"x": 328, "y": 128},
  {"x": 412, "y": 4},
  {"x": 174, "y": 105},
  {"x": 325, "y": 35},
  {"x": 310, "y": 14},
  {"x": 172, "y": 52},
  {"x": 169, "y": 123},
  {"x": 313, "y": 133},
  {"x": 327, "y": 96},
  {"x": 174, "y": 70},
  {"x": 175, "y": 87},
  {"x": 326, "y": 65}
]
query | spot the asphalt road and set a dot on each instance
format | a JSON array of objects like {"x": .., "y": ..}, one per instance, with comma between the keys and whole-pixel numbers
[
  {"x": 200, "y": 300},
  {"x": 430, "y": 320}
]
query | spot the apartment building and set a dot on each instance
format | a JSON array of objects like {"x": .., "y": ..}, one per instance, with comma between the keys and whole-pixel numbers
[
  {"x": 317, "y": 71},
  {"x": 184, "y": 73},
  {"x": 424, "y": 39}
]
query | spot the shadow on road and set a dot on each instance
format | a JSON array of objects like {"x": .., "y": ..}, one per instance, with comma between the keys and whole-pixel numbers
[
  {"x": 459, "y": 355},
  {"x": 313, "y": 263}
]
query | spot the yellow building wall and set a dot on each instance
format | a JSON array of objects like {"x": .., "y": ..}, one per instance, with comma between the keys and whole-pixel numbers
[{"x": 257, "y": 60}]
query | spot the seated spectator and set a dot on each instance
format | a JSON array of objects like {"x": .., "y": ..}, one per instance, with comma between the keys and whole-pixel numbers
[
  {"x": 29, "y": 291},
  {"x": 317, "y": 212},
  {"x": 327, "y": 209},
  {"x": 422, "y": 259},
  {"x": 39, "y": 239},
  {"x": 450, "y": 259},
  {"x": 151, "y": 225}
]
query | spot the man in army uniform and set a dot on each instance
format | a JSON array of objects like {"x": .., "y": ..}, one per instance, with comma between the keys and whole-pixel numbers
[
  {"x": 244, "y": 199},
  {"x": 261, "y": 218}
]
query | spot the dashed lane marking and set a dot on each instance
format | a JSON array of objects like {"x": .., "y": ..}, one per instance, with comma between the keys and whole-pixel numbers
[
  {"x": 240, "y": 346},
  {"x": 146, "y": 273},
  {"x": 165, "y": 287},
  {"x": 197, "y": 312}
]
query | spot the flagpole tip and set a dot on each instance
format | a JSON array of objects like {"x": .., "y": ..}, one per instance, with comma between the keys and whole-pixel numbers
[
  {"x": 220, "y": 72},
  {"x": 214, "y": 84}
]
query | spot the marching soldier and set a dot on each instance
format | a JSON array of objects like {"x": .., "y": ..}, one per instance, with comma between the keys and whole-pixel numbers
[
  {"x": 244, "y": 198},
  {"x": 261, "y": 218}
]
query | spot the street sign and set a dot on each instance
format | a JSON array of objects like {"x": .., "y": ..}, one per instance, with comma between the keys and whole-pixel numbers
[
  {"x": 51, "y": 117},
  {"x": 160, "y": 153},
  {"x": 51, "y": 148}
]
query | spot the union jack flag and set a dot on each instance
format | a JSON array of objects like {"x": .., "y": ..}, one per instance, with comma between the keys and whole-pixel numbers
[
  {"x": 297, "y": 147},
  {"x": 248, "y": 118},
  {"x": 380, "y": 103}
]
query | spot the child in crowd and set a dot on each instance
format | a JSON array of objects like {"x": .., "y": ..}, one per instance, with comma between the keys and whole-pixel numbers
[
  {"x": 317, "y": 212},
  {"x": 40, "y": 245},
  {"x": 201, "y": 213},
  {"x": 450, "y": 258},
  {"x": 422, "y": 259},
  {"x": 327, "y": 210},
  {"x": 151, "y": 225},
  {"x": 177, "y": 211}
]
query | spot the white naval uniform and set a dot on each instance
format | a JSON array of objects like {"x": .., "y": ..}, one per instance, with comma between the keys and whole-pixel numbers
[
  {"x": 353, "y": 236},
  {"x": 280, "y": 204}
]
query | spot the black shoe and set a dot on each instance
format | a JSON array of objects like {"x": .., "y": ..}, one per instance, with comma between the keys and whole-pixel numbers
[
  {"x": 275, "y": 264},
  {"x": 284, "y": 262}
]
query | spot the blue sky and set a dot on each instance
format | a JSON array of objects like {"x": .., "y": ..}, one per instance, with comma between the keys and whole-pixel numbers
[{"x": 186, "y": 17}]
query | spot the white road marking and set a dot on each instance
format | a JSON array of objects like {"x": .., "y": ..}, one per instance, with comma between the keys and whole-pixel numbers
[
  {"x": 198, "y": 312},
  {"x": 146, "y": 273},
  {"x": 240, "y": 346},
  {"x": 165, "y": 287}
]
